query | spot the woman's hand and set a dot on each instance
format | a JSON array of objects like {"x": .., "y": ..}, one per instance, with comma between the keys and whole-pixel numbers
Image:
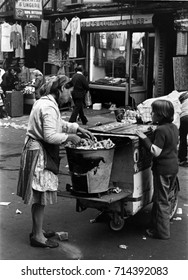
[
  {"x": 75, "y": 139},
  {"x": 141, "y": 134},
  {"x": 85, "y": 132}
]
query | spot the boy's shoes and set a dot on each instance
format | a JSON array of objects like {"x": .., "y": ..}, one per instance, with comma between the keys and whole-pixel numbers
[
  {"x": 153, "y": 234},
  {"x": 183, "y": 163}
]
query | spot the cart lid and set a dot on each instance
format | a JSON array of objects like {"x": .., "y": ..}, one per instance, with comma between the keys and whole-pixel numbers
[{"x": 119, "y": 128}]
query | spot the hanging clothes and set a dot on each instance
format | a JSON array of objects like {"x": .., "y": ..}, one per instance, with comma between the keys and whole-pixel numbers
[
  {"x": 74, "y": 29},
  {"x": 64, "y": 24},
  {"x": 16, "y": 40},
  {"x": 5, "y": 31},
  {"x": 58, "y": 29},
  {"x": 44, "y": 28},
  {"x": 31, "y": 34},
  {"x": 55, "y": 56}
]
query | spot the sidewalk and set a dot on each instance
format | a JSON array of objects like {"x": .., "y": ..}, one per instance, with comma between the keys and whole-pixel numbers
[{"x": 93, "y": 116}]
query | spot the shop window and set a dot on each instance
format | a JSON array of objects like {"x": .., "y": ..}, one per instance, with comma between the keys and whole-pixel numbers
[
  {"x": 138, "y": 59},
  {"x": 108, "y": 58},
  {"x": 118, "y": 58}
]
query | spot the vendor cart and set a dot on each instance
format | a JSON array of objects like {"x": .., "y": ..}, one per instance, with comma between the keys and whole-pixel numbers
[{"x": 126, "y": 186}]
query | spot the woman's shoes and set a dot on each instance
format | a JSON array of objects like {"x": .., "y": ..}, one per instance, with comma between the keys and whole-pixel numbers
[
  {"x": 48, "y": 243},
  {"x": 47, "y": 234}
]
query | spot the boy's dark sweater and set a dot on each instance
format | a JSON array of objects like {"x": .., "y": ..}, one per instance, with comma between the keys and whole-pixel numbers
[{"x": 166, "y": 138}]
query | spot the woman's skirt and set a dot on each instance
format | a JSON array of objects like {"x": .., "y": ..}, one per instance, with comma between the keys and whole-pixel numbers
[{"x": 35, "y": 183}]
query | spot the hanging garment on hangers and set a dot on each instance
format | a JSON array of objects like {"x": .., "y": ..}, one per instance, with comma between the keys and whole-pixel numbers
[
  {"x": 5, "y": 37},
  {"x": 31, "y": 34},
  {"x": 58, "y": 29},
  {"x": 64, "y": 24},
  {"x": 74, "y": 29},
  {"x": 16, "y": 40},
  {"x": 44, "y": 26}
]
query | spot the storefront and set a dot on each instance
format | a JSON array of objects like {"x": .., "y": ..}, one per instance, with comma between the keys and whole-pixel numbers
[
  {"x": 128, "y": 57},
  {"x": 120, "y": 53}
]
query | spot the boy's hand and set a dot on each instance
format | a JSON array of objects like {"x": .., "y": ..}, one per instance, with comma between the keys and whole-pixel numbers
[{"x": 141, "y": 134}]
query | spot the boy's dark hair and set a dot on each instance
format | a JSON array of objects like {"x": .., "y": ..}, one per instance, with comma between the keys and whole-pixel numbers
[{"x": 164, "y": 111}]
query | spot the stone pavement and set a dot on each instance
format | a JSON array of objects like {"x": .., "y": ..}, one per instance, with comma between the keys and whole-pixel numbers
[{"x": 93, "y": 116}]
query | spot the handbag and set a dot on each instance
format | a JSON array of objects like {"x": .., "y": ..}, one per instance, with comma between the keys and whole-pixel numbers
[{"x": 88, "y": 101}]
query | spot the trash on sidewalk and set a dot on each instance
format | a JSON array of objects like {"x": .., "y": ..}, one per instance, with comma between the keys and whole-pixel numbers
[
  {"x": 62, "y": 235},
  {"x": 179, "y": 211},
  {"x": 177, "y": 218},
  {"x": 123, "y": 246},
  {"x": 4, "y": 203},
  {"x": 18, "y": 211},
  {"x": 117, "y": 190},
  {"x": 97, "y": 106},
  {"x": 144, "y": 238}
]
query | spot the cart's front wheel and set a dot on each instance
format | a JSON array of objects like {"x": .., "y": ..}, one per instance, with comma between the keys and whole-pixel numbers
[
  {"x": 174, "y": 199},
  {"x": 117, "y": 223}
]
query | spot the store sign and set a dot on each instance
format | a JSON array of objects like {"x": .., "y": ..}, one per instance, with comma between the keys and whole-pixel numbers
[
  {"x": 116, "y": 21},
  {"x": 181, "y": 24},
  {"x": 28, "y": 9}
]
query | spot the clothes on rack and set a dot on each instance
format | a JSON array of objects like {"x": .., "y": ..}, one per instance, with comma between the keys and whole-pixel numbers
[
  {"x": 55, "y": 56},
  {"x": 64, "y": 23},
  {"x": 5, "y": 31},
  {"x": 16, "y": 40},
  {"x": 73, "y": 28},
  {"x": 30, "y": 35},
  {"x": 58, "y": 29},
  {"x": 44, "y": 28}
]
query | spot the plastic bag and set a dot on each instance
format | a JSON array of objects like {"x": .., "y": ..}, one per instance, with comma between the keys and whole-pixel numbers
[{"x": 88, "y": 101}]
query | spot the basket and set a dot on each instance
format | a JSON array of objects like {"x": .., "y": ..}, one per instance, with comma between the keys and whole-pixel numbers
[{"x": 90, "y": 170}]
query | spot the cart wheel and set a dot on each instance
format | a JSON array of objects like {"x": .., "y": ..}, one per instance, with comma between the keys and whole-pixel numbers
[
  {"x": 174, "y": 199},
  {"x": 117, "y": 223}
]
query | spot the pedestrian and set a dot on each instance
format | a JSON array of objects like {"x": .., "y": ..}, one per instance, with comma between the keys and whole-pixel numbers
[
  {"x": 39, "y": 165},
  {"x": 38, "y": 81},
  {"x": 165, "y": 165},
  {"x": 80, "y": 87},
  {"x": 183, "y": 130},
  {"x": 24, "y": 75},
  {"x": 10, "y": 79},
  {"x": 9, "y": 82}
]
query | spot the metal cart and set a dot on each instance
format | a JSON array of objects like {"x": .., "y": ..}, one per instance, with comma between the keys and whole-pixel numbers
[{"x": 130, "y": 184}]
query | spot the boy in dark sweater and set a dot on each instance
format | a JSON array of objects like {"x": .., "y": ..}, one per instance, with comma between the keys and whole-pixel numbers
[{"x": 165, "y": 165}]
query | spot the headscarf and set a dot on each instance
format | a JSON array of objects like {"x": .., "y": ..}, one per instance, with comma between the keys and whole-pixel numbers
[{"x": 53, "y": 83}]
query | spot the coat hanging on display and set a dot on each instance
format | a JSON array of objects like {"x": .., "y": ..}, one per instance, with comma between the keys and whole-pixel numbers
[
  {"x": 5, "y": 31},
  {"x": 73, "y": 28}
]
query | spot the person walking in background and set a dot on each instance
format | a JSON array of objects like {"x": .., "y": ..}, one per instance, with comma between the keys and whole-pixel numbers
[
  {"x": 80, "y": 87},
  {"x": 165, "y": 165},
  {"x": 182, "y": 153},
  {"x": 39, "y": 165}
]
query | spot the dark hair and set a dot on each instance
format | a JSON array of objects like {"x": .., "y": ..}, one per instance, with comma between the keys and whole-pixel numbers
[
  {"x": 164, "y": 111},
  {"x": 79, "y": 68}
]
